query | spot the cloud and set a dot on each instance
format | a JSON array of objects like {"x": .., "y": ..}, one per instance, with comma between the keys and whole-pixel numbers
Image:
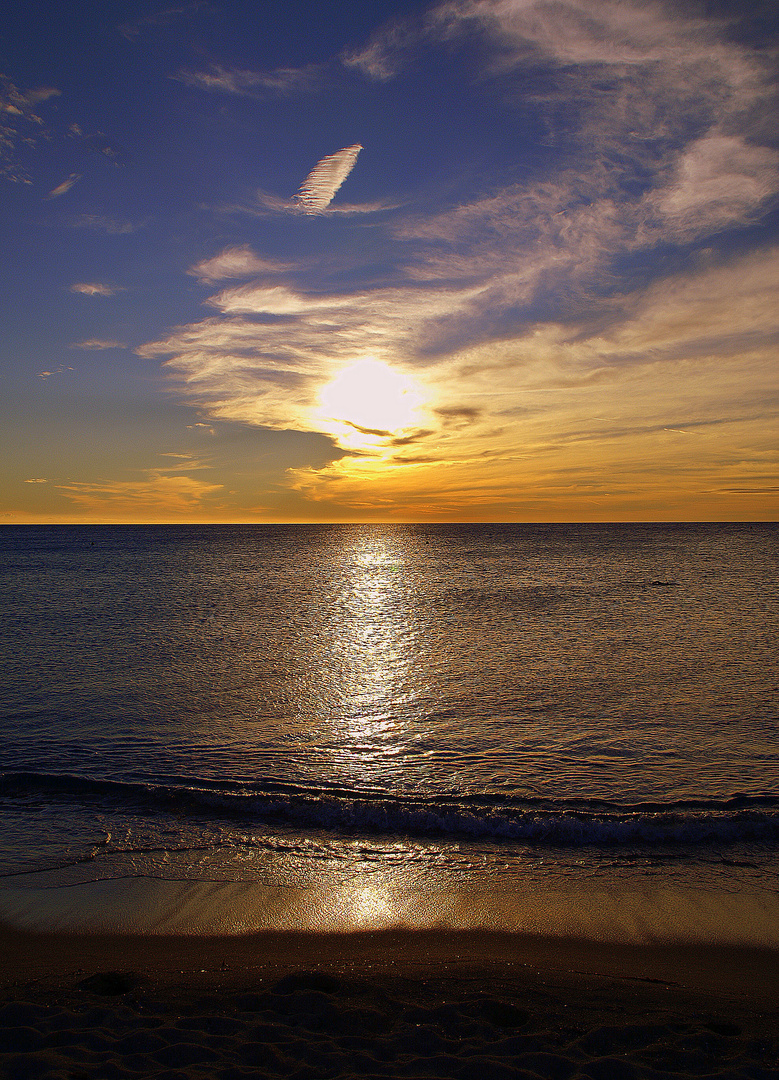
[
  {"x": 317, "y": 192},
  {"x": 349, "y": 209},
  {"x": 98, "y": 143},
  {"x": 547, "y": 307},
  {"x": 387, "y": 51},
  {"x": 132, "y": 30},
  {"x": 235, "y": 262},
  {"x": 97, "y": 344},
  {"x": 158, "y": 495},
  {"x": 66, "y": 185},
  {"x": 271, "y": 373},
  {"x": 246, "y": 83},
  {"x": 660, "y": 119},
  {"x": 723, "y": 310},
  {"x": 268, "y": 203},
  {"x": 717, "y": 181},
  {"x": 18, "y": 118},
  {"x": 95, "y": 288},
  {"x": 693, "y": 351},
  {"x": 458, "y": 414},
  {"x": 102, "y": 223},
  {"x": 320, "y": 186},
  {"x": 655, "y": 102},
  {"x": 57, "y": 371},
  {"x": 614, "y": 39},
  {"x": 274, "y": 300},
  {"x": 185, "y": 462}
]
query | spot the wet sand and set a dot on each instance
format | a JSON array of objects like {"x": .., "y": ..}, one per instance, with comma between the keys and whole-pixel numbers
[{"x": 384, "y": 1004}]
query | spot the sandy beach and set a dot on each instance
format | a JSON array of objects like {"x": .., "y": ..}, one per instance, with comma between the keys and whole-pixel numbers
[{"x": 389, "y": 1003}]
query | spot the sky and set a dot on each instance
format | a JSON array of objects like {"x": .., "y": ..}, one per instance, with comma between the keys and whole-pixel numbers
[{"x": 474, "y": 260}]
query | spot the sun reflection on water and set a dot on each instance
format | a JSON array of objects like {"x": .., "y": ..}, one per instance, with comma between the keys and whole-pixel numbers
[
  {"x": 375, "y": 634},
  {"x": 367, "y": 644},
  {"x": 368, "y": 906}
]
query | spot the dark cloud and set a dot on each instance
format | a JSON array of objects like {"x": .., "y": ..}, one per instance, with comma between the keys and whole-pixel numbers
[
  {"x": 413, "y": 437},
  {"x": 458, "y": 412},
  {"x": 368, "y": 431}
]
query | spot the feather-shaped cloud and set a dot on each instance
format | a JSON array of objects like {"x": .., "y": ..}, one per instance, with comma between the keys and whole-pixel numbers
[
  {"x": 95, "y": 288},
  {"x": 318, "y": 189},
  {"x": 66, "y": 185}
]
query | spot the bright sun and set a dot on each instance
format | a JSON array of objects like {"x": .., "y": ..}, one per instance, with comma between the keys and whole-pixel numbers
[{"x": 369, "y": 400}]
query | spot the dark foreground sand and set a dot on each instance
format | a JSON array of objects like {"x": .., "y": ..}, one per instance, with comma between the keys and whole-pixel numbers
[{"x": 475, "y": 1006}]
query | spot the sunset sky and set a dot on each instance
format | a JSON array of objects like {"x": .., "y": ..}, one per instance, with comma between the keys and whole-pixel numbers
[{"x": 500, "y": 260}]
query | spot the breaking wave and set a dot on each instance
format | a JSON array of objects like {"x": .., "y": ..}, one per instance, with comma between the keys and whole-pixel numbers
[{"x": 531, "y": 820}]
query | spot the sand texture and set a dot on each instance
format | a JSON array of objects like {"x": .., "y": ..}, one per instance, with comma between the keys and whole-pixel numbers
[{"x": 374, "y": 1008}]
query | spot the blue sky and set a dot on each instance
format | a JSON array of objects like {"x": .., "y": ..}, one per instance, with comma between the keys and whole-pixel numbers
[{"x": 474, "y": 260}]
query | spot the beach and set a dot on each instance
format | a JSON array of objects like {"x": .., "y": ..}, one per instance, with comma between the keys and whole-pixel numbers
[
  {"x": 467, "y": 801},
  {"x": 387, "y": 1003}
]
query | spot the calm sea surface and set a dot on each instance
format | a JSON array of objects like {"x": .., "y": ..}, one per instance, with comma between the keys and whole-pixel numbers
[{"x": 252, "y": 703}]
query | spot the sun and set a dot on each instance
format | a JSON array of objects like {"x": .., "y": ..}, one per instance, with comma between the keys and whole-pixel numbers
[{"x": 368, "y": 402}]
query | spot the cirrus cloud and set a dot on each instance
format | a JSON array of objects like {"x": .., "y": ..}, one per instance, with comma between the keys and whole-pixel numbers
[
  {"x": 235, "y": 262},
  {"x": 158, "y": 494},
  {"x": 320, "y": 186},
  {"x": 514, "y": 303},
  {"x": 18, "y": 120},
  {"x": 242, "y": 83},
  {"x": 95, "y": 288},
  {"x": 98, "y": 344}
]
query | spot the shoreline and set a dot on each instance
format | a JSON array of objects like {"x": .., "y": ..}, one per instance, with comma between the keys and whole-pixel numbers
[{"x": 651, "y": 916}]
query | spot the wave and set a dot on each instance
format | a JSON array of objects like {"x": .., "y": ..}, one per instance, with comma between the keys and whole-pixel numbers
[{"x": 539, "y": 821}]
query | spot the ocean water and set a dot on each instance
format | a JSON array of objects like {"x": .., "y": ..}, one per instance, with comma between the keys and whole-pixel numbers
[{"x": 505, "y": 725}]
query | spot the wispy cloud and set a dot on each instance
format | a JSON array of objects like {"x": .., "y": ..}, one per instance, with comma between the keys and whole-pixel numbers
[
  {"x": 55, "y": 371},
  {"x": 66, "y": 185},
  {"x": 239, "y": 81},
  {"x": 98, "y": 143},
  {"x": 657, "y": 103},
  {"x": 511, "y": 308},
  {"x": 184, "y": 462},
  {"x": 102, "y": 223},
  {"x": 18, "y": 122},
  {"x": 320, "y": 186},
  {"x": 236, "y": 262},
  {"x": 717, "y": 181},
  {"x": 97, "y": 344},
  {"x": 624, "y": 41},
  {"x": 665, "y": 125},
  {"x": 678, "y": 354},
  {"x": 388, "y": 49},
  {"x": 95, "y": 288},
  {"x": 157, "y": 495},
  {"x": 269, "y": 204},
  {"x": 315, "y": 195},
  {"x": 132, "y": 30}
]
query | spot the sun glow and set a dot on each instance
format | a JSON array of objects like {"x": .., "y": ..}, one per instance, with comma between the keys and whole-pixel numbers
[{"x": 368, "y": 402}]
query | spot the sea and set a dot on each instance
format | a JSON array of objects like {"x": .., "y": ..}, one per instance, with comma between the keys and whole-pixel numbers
[{"x": 566, "y": 729}]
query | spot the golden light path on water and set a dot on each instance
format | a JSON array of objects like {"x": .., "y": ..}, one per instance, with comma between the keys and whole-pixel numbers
[
  {"x": 375, "y": 642},
  {"x": 369, "y": 671}
]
